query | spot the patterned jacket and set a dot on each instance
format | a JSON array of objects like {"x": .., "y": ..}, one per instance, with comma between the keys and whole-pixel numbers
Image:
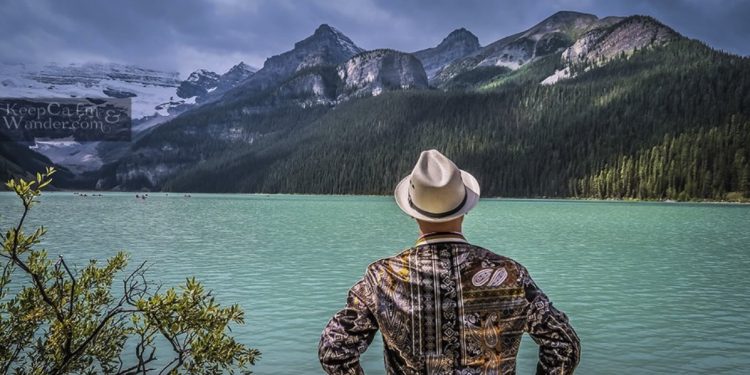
[{"x": 448, "y": 307}]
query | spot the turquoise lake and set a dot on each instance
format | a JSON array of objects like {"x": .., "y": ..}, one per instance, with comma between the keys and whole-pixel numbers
[{"x": 651, "y": 288}]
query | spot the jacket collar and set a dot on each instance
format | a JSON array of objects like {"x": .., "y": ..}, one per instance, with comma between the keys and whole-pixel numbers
[{"x": 436, "y": 237}]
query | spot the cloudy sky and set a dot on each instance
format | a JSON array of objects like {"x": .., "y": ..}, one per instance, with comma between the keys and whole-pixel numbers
[{"x": 183, "y": 35}]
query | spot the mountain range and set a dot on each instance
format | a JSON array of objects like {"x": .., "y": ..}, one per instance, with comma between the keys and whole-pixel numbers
[{"x": 614, "y": 107}]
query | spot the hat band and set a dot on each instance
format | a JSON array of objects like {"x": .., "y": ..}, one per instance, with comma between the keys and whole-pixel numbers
[{"x": 442, "y": 214}]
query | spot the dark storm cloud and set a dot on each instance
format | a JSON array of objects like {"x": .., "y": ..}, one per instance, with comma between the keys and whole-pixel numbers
[{"x": 186, "y": 35}]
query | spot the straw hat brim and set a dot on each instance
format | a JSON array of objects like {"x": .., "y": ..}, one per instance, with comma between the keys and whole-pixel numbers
[{"x": 472, "y": 190}]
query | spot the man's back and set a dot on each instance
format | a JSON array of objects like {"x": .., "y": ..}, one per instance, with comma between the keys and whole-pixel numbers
[
  {"x": 445, "y": 306},
  {"x": 448, "y": 307}
]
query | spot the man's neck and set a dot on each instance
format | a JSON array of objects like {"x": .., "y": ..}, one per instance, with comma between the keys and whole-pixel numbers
[
  {"x": 428, "y": 232},
  {"x": 453, "y": 226}
]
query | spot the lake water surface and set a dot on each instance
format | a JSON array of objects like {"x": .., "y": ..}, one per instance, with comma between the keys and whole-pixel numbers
[{"x": 651, "y": 288}]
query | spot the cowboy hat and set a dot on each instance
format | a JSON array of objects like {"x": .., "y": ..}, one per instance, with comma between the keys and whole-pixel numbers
[{"x": 436, "y": 190}]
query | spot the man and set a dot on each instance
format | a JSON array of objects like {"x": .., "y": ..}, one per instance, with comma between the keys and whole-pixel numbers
[{"x": 445, "y": 306}]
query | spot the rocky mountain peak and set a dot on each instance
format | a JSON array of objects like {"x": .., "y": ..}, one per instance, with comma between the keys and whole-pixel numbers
[
  {"x": 203, "y": 83},
  {"x": 565, "y": 16},
  {"x": 461, "y": 36},
  {"x": 327, "y": 46},
  {"x": 647, "y": 22},
  {"x": 571, "y": 24},
  {"x": 203, "y": 77},
  {"x": 237, "y": 74},
  {"x": 198, "y": 83},
  {"x": 457, "y": 44},
  {"x": 242, "y": 67},
  {"x": 324, "y": 29},
  {"x": 326, "y": 36}
]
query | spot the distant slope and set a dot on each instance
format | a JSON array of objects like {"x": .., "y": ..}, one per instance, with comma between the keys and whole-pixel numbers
[{"x": 17, "y": 160}]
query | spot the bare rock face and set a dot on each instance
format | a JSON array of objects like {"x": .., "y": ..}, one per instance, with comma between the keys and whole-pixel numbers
[
  {"x": 626, "y": 36},
  {"x": 456, "y": 45},
  {"x": 368, "y": 73},
  {"x": 603, "y": 44},
  {"x": 313, "y": 86},
  {"x": 372, "y": 72}
]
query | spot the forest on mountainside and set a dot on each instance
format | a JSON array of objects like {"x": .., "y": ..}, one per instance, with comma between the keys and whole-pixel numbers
[{"x": 670, "y": 122}]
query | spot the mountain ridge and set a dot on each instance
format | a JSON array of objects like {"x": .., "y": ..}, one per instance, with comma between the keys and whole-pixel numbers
[
  {"x": 549, "y": 36},
  {"x": 525, "y": 140},
  {"x": 284, "y": 127}
]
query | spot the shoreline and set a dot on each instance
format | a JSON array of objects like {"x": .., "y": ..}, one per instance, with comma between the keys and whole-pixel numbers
[{"x": 96, "y": 193}]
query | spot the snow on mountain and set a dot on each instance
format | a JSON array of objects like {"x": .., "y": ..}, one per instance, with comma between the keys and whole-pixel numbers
[
  {"x": 203, "y": 77},
  {"x": 153, "y": 95},
  {"x": 148, "y": 88}
]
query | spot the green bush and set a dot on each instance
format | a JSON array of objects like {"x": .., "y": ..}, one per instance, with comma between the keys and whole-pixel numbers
[{"x": 54, "y": 320}]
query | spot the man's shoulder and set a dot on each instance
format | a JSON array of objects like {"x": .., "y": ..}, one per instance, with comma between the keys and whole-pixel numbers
[
  {"x": 401, "y": 258},
  {"x": 482, "y": 252},
  {"x": 466, "y": 252},
  {"x": 484, "y": 256}
]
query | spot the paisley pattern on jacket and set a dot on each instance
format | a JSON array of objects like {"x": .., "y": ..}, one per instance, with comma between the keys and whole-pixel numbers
[{"x": 448, "y": 307}]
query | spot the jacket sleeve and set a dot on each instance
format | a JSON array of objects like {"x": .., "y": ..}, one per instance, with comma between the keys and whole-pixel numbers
[
  {"x": 348, "y": 334},
  {"x": 559, "y": 346}
]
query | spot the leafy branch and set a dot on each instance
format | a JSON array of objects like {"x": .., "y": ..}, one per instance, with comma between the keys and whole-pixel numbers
[{"x": 61, "y": 320}]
